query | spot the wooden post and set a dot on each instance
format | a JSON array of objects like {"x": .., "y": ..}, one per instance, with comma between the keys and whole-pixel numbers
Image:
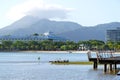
[
  {"x": 115, "y": 66},
  {"x": 95, "y": 65},
  {"x": 105, "y": 68},
  {"x": 110, "y": 67}
]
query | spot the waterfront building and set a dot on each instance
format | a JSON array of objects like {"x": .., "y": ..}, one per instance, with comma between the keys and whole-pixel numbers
[
  {"x": 34, "y": 37},
  {"x": 83, "y": 47},
  {"x": 113, "y": 35}
]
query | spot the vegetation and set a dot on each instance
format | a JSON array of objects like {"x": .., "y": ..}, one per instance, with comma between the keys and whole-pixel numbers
[
  {"x": 73, "y": 63},
  {"x": 55, "y": 45}
]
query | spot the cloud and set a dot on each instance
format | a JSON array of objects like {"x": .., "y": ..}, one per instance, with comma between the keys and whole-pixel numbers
[
  {"x": 49, "y": 13},
  {"x": 38, "y": 8}
]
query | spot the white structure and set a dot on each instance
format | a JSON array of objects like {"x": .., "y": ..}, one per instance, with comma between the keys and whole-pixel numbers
[{"x": 45, "y": 36}]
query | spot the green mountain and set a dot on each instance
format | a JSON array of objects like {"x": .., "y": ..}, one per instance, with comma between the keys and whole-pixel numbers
[
  {"x": 97, "y": 32},
  {"x": 73, "y": 31},
  {"x": 30, "y": 25}
]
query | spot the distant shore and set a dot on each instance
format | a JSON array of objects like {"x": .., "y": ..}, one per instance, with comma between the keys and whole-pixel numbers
[
  {"x": 56, "y": 51},
  {"x": 69, "y": 51}
]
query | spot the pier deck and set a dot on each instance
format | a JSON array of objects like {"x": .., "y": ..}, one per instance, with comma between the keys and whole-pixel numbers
[
  {"x": 105, "y": 58},
  {"x": 114, "y": 60}
]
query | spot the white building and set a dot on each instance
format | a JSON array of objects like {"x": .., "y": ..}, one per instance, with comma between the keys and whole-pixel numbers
[{"x": 45, "y": 36}]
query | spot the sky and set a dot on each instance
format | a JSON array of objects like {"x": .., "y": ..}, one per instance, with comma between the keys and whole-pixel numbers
[{"x": 84, "y": 12}]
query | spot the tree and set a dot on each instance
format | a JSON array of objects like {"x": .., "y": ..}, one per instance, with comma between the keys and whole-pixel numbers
[
  {"x": 35, "y": 34},
  {"x": 97, "y": 44},
  {"x": 19, "y": 45},
  {"x": 7, "y": 45},
  {"x": 63, "y": 47},
  {"x": 110, "y": 44}
]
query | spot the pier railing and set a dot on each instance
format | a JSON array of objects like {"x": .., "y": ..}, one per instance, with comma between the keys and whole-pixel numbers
[
  {"x": 99, "y": 55},
  {"x": 104, "y": 54}
]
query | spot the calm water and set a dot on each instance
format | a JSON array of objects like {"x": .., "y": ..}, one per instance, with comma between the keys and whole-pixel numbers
[{"x": 47, "y": 71}]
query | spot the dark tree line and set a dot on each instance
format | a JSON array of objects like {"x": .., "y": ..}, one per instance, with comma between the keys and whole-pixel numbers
[{"x": 55, "y": 45}]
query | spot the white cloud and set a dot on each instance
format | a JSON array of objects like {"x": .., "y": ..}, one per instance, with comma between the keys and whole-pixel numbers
[{"x": 38, "y": 8}]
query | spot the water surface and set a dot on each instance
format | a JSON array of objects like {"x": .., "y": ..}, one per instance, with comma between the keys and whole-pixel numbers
[{"x": 46, "y": 71}]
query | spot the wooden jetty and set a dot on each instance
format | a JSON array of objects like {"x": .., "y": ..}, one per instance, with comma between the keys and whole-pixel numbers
[{"x": 105, "y": 58}]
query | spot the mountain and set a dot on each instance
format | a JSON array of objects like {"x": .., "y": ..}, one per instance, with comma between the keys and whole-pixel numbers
[
  {"x": 73, "y": 31},
  {"x": 97, "y": 32},
  {"x": 18, "y": 25},
  {"x": 30, "y": 25}
]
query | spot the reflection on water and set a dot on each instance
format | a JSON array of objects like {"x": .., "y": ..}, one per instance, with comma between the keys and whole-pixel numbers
[{"x": 47, "y": 71}]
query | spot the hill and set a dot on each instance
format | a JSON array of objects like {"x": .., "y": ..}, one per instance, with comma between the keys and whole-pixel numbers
[
  {"x": 97, "y": 32},
  {"x": 73, "y": 31},
  {"x": 30, "y": 25}
]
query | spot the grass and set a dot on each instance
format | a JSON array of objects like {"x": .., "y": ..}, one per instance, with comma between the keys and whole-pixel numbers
[{"x": 73, "y": 63}]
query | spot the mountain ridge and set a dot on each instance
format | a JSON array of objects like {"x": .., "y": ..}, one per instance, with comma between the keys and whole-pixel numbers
[
  {"x": 73, "y": 31},
  {"x": 29, "y": 25}
]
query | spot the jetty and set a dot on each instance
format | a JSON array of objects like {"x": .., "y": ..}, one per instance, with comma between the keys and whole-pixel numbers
[{"x": 106, "y": 58}]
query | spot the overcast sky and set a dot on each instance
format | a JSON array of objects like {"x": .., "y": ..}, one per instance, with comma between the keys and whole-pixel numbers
[{"x": 84, "y": 12}]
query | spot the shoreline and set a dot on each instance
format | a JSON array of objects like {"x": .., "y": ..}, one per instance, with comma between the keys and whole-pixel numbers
[
  {"x": 69, "y": 51},
  {"x": 55, "y": 51}
]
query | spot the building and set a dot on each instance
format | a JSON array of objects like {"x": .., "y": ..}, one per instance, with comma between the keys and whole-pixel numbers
[
  {"x": 113, "y": 35},
  {"x": 34, "y": 37}
]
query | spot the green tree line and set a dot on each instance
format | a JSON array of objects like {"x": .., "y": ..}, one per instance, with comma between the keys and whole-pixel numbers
[{"x": 56, "y": 45}]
